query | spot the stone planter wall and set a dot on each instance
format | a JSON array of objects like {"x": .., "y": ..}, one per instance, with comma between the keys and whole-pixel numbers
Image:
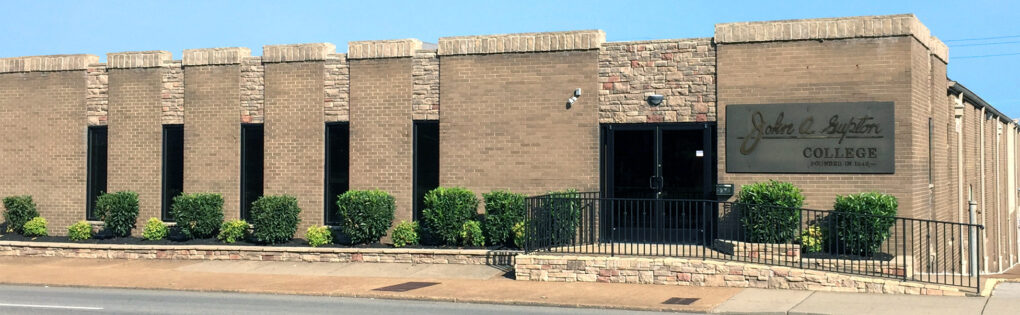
[
  {"x": 260, "y": 253},
  {"x": 709, "y": 273},
  {"x": 763, "y": 251}
]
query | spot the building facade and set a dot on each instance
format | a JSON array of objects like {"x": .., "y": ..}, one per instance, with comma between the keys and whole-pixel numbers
[{"x": 835, "y": 106}]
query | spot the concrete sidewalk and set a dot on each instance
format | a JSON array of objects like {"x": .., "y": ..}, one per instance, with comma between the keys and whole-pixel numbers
[
  {"x": 299, "y": 278},
  {"x": 478, "y": 284}
]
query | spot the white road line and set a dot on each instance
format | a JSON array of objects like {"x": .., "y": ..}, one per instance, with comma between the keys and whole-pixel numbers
[{"x": 53, "y": 306}]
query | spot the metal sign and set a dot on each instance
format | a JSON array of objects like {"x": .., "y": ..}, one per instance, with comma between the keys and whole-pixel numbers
[{"x": 810, "y": 138}]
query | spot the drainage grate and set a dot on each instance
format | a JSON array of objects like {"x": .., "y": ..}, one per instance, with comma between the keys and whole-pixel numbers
[
  {"x": 406, "y": 286},
  {"x": 680, "y": 301}
]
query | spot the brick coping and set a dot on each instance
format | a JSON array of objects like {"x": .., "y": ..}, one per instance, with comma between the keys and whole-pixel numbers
[{"x": 245, "y": 248}]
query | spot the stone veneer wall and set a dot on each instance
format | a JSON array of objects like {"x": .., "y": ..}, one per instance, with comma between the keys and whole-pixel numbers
[
  {"x": 708, "y": 273},
  {"x": 338, "y": 88},
  {"x": 172, "y": 94},
  {"x": 681, "y": 70},
  {"x": 259, "y": 253},
  {"x": 97, "y": 101},
  {"x": 253, "y": 85},
  {"x": 425, "y": 100}
]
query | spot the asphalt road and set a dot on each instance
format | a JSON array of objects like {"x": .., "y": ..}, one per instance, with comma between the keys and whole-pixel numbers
[{"x": 64, "y": 300}]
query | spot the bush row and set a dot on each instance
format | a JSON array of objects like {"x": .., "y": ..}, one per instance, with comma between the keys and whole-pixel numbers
[{"x": 858, "y": 225}]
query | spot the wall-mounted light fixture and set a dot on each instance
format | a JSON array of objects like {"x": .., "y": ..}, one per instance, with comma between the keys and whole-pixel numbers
[
  {"x": 572, "y": 99},
  {"x": 654, "y": 99}
]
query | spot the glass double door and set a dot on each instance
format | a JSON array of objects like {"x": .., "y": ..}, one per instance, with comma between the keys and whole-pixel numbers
[{"x": 654, "y": 176}]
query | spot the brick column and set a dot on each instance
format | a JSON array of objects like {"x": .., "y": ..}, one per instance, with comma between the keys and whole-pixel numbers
[
  {"x": 42, "y": 134},
  {"x": 135, "y": 128},
  {"x": 212, "y": 160},
  {"x": 295, "y": 126},
  {"x": 381, "y": 126}
]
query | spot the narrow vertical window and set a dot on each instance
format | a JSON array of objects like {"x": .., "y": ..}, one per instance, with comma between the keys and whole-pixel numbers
[
  {"x": 173, "y": 166},
  {"x": 337, "y": 168},
  {"x": 426, "y": 162},
  {"x": 252, "y": 146},
  {"x": 96, "y": 168}
]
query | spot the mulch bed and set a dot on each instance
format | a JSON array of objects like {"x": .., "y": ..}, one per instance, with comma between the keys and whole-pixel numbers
[{"x": 177, "y": 240}]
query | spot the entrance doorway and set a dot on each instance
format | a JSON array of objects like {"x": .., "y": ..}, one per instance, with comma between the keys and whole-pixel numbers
[{"x": 653, "y": 176}]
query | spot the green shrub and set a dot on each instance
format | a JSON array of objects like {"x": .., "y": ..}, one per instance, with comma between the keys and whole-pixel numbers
[
  {"x": 365, "y": 215},
  {"x": 406, "y": 233},
  {"x": 232, "y": 231},
  {"x": 274, "y": 219},
  {"x": 446, "y": 210},
  {"x": 502, "y": 210},
  {"x": 319, "y": 235},
  {"x": 770, "y": 211},
  {"x": 155, "y": 230},
  {"x": 119, "y": 211},
  {"x": 520, "y": 234},
  {"x": 811, "y": 239},
  {"x": 17, "y": 211},
  {"x": 471, "y": 234},
  {"x": 79, "y": 231},
  {"x": 564, "y": 214},
  {"x": 862, "y": 222},
  {"x": 35, "y": 227},
  {"x": 198, "y": 214}
]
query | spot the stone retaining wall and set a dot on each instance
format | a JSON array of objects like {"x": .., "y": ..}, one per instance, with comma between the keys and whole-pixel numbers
[
  {"x": 709, "y": 273},
  {"x": 259, "y": 253}
]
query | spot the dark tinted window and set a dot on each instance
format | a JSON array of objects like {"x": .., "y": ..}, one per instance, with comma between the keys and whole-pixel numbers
[
  {"x": 252, "y": 136},
  {"x": 173, "y": 166},
  {"x": 337, "y": 168},
  {"x": 96, "y": 176},
  {"x": 426, "y": 162}
]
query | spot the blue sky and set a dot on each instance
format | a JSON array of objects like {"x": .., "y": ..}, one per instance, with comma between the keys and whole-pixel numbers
[{"x": 98, "y": 27}]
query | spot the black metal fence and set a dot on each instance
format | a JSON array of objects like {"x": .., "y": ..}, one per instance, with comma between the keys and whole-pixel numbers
[{"x": 909, "y": 249}]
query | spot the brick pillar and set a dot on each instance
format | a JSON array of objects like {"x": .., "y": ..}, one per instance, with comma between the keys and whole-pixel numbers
[
  {"x": 295, "y": 126},
  {"x": 42, "y": 134},
  {"x": 212, "y": 160},
  {"x": 135, "y": 130},
  {"x": 380, "y": 115}
]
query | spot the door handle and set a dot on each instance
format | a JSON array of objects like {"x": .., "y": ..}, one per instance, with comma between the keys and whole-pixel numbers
[{"x": 655, "y": 182}]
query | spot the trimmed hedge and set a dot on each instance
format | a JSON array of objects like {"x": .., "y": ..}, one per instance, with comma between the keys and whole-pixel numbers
[
  {"x": 446, "y": 210},
  {"x": 198, "y": 215},
  {"x": 365, "y": 215},
  {"x": 471, "y": 234},
  {"x": 503, "y": 209},
  {"x": 155, "y": 230},
  {"x": 862, "y": 222},
  {"x": 565, "y": 214},
  {"x": 36, "y": 227},
  {"x": 232, "y": 231},
  {"x": 319, "y": 235},
  {"x": 17, "y": 211},
  {"x": 274, "y": 219},
  {"x": 119, "y": 211},
  {"x": 79, "y": 231},
  {"x": 406, "y": 233},
  {"x": 770, "y": 211},
  {"x": 520, "y": 234}
]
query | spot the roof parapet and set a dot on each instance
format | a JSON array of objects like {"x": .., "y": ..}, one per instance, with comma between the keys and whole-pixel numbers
[
  {"x": 383, "y": 48},
  {"x": 138, "y": 59},
  {"x": 215, "y": 56},
  {"x": 47, "y": 63},
  {"x": 297, "y": 52},
  {"x": 521, "y": 42},
  {"x": 831, "y": 28}
]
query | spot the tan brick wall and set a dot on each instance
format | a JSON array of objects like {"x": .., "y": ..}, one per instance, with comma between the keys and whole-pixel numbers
[
  {"x": 381, "y": 129},
  {"x": 136, "y": 137},
  {"x": 873, "y": 69},
  {"x": 212, "y": 133},
  {"x": 681, "y": 70},
  {"x": 295, "y": 136},
  {"x": 42, "y": 143},
  {"x": 504, "y": 122}
]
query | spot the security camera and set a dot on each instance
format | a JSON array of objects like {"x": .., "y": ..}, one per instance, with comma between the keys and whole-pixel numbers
[
  {"x": 654, "y": 100},
  {"x": 577, "y": 93}
]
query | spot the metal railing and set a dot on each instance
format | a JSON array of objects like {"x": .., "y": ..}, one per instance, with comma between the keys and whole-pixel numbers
[{"x": 908, "y": 249}]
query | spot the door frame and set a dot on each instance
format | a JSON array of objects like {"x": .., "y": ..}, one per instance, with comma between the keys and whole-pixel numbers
[{"x": 607, "y": 161}]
